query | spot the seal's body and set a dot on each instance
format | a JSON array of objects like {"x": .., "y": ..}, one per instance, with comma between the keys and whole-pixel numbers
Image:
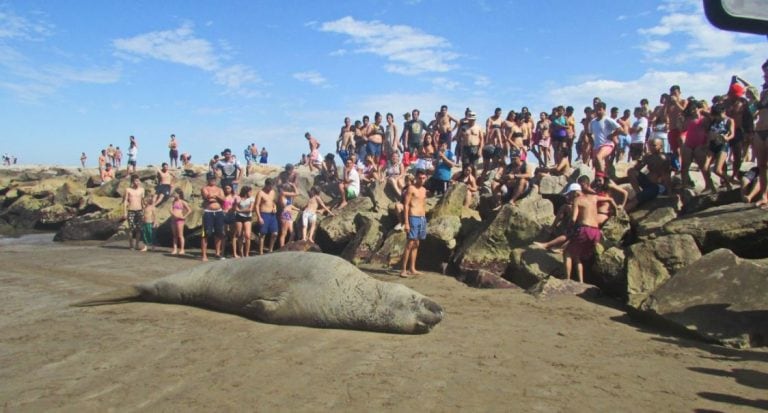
[{"x": 296, "y": 288}]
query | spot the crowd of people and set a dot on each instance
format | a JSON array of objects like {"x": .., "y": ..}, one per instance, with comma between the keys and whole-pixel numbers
[
  {"x": 9, "y": 160},
  {"x": 424, "y": 159},
  {"x": 661, "y": 142}
]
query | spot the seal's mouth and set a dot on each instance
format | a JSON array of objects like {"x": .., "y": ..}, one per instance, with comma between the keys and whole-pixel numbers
[{"x": 431, "y": 315}]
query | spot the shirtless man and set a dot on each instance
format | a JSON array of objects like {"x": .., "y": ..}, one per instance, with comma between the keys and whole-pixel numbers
[
  {"x": 173, "y": 151},
  {"x": 674, "y": 108},
  {"x": 446, "y": 124},
  {"x": 107, "y": 174},
  {"x": 111, "y": 154},
  {"x": 570, "y": 124},
  {"x": 133, "y": 207},
  {"x": 493, "y": 127},
  {"x": 415, "y": 222},
  {"x": 164, "y": 182},
  {"x": 586, "y": 235},
  {"x": 472, "y": 139},
  {"x": 266, "y": 212},
  {"x": 213, "y": 217},
  {"x": 346, "y": 136},
  {"x": 657, "y": 182},
  {"x": 314, "y": 152},
  {"x": 515, "y": 181},
  {"x": 102, "y": 160}
]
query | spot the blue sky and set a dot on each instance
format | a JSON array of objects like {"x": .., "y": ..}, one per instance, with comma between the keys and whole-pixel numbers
[{"x": 78, "y": 75}]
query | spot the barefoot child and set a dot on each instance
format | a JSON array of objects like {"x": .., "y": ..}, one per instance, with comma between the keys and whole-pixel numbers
[
  {"x": 309, "y": 216},
  {"x": 150, "y": 223},
  {"x": 179, "y": 211},
  {"x": 415, "y": 222}
]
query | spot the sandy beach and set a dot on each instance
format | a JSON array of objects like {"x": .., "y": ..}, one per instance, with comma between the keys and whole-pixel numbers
[{"x": 496, "y": 350}]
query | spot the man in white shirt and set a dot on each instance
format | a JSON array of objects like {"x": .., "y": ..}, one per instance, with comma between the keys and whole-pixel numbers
[
  {"x": 605, "y": 132},
  {"x": 637, "y": 134}
]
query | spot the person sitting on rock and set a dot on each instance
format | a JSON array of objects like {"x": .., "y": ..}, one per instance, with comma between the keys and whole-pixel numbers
[
  {"x": 394, "y": 173},
  {"x": 466, "y": 177},
  {"x": 328, "y": 170},
  {"x": 441, "y": 178},
  {"x": 562, "y": 227},
  {"x": 287, "y": 176},
  {"x": 563, "y": 167},
  {"x": 515, "y": 183},
  {"x": 107, "y": 174},
  {"x": 350, "y": 184},
  {"x": 658, "y": 180}
]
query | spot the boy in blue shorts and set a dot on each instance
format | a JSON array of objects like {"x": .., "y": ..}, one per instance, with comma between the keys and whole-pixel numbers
[{"x": 415, "y": 212}]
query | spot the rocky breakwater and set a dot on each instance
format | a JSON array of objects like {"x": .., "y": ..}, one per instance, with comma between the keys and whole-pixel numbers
[{"x": 698, "y": 262}]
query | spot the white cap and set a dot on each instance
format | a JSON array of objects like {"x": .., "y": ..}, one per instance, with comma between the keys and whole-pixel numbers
[{"x": 573, "y": 187}]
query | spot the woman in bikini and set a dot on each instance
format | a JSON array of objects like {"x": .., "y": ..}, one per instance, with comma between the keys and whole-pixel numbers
[
  {"x": 179, "y": 211},
  {"x": 720, "y": 130},
  {"x": 285, "y": 203},
  {"x": 542, "y": 133},
  {"x": 395, "y": 173},
  {"x": 760, "y": 141},
  {"x": 244, "y": 205},
  {"x": 506, "y": 131}
]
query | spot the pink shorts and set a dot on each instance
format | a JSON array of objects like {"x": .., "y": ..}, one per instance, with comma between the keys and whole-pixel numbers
[
  {"x": 582, "y": 243},
  {"x": 605, "y": 145}
]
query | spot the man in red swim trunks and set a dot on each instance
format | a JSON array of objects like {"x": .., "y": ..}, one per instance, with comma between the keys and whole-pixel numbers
[{"x": 586, "y": 234}]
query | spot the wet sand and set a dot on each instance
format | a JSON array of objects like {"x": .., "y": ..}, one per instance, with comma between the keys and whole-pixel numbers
[{"x": 496, "y": 350}]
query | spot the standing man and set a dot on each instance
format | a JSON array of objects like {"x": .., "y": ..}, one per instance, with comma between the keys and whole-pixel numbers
[
  {"x": 605, "y": 132},
  {"x": 314, "y": 152},
  {"x": 266, "y": 212},
  {"x": 164, "y": 182},
  {"x": 414, "y": 133},
  {"x": 111, "y": 153},
  {"x": 133, "y": 151},
  {"x": 173, "y": 151},
  {"x": 102, "y": 160},
  {"x": 133, "y": 207},
  {"x": 472, "y": 138},
  {"x": 375, "y": 138},
  {"x": 446, "y": 124},
  {"x": 675, "y": 108},
  {"x": 213, "y": 217},
  {"x": 228, "y": 170},
  {"x": 414, "y": 204}
]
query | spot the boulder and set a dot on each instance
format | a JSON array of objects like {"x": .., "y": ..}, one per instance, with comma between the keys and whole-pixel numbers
[
  {"x": 334, "y": 232},
  {"x": 553, "y": 287},
  {"x": 529, "y": 266},
  {"x": 609, "y": 272},
  {"x": 367, "y": 238},
  {"x": 303, "y": 246},
  {"x": 444, "y": 230},
  {"x": 452, "y": 202},
  {"x": 694, "y": 202},
  {"x": 490, "y": 247},
  {"x": 651, "y": 225},
  {"x": 720, "y": 297},
  {"x": 391, "y": 251},
  {"x": 95, "y": 203},
  {"x": 615, "y": 229},
  {"x": 651, "y": 263},
  {"x": 552, "y": 185},
  {"x": 70, "y": 193},
  {"x": 740, "y": 227},
  {"x": 42, "y": 189},
  {"x": 108, "y": 189},
  {"x": 88, "y": 227},
  {"x": 55, "y": 215},
  {"x": 24, "y": 212}
]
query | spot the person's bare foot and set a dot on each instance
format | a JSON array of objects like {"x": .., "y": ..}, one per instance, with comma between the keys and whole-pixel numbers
[
  {"x": 174, "y": 252},
  {"x": 414, "y": 272},
  {"x": 143, "y": 249},
  {"x": 182, "y": 252},
  {"x": 342, "y": 205},
  {"x": 205, "y": 259}
]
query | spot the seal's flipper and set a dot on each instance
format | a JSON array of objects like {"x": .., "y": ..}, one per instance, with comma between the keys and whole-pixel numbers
[{"x": 120, "y": 295}]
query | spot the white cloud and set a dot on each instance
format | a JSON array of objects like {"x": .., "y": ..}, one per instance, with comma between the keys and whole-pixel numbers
[
  {"x": 311, "y": 77},
  {"x": 622, "y": 17},
  {"x": 482, "y": 81},
  {"x": 408, "y": 50},
  {"x": 339, "y": 52},
  {"x": 655, "y": 46},
  {"x": 181, "y": 46},
  {"x": 13, "y": 26},
  {"x": 442, "y": 83}
]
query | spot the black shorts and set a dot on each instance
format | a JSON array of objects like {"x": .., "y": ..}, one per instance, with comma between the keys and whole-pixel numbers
[
  {"x": 173, "y": 154},
  {"x": 470, "y": 154},
  {"x": 164, "y": 189},
  {"x": 648, "y": 190},
  {"x": 213, "y": 223},
  {"x": 242, "y": 218}
]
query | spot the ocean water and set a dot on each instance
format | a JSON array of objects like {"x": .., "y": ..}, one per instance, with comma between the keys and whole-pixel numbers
[{"x": 44, "y": 238}]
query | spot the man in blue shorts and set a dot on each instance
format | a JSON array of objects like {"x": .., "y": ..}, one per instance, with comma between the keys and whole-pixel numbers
[
  {"x": 415, "y": 212},
  {"x": 266, "y": 212}
]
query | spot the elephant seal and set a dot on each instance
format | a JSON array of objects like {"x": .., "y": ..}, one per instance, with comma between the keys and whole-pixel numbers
[{"x": 295, "y": 288}]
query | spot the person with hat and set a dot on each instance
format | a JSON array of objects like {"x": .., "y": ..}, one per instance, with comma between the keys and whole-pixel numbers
[
  {"x": 586, "y": 234},
  {"x": 471, "y": 137},
  {"x": 737, "y": 108},
  {"x": 228, "y": 170}
]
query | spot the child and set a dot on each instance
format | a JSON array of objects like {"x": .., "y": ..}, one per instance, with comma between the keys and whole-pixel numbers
[
  {"x": 309, "y": 216},
  {"x": 150, "y": 223},
  {"x": 179, "y": 211}
]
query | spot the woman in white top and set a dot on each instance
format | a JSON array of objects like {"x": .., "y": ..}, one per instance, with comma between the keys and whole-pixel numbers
[{"x": 244, "y": 204}]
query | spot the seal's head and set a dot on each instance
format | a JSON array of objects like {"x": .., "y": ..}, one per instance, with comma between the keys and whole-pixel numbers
[{"x": 407, "y": 311}]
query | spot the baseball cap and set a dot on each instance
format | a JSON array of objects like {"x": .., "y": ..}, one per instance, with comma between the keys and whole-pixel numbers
[
  {"x": 471, "y": 115},
  {"x": 573, "y": 187}
]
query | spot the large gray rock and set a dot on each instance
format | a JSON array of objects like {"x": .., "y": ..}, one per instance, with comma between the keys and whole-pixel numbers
[
  {"x": 720, "y": 297},
  {"x": 24, "y": 212},
  {"x": 740, "y": 227},
  {"x": 333, "y": 233},
  {"x": 652, "y": 263},
  {"x": 529, "y": 266},
  {"x": 488, "y": 250},
  {"x": 615, "y": 229},
  {"x": 88, "y": 227},
  {"x": 550, "y": 185},
  {"x": 368, "y": 237},
  {"x": 609, "y": 272},
  {"x": 553, "y": 287},
  {"x": 653, "y": 223},
  {"x": 391, "y": 251},
  {"x": 452, "y": 202},
  {"x": 695, "y": 202}
]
